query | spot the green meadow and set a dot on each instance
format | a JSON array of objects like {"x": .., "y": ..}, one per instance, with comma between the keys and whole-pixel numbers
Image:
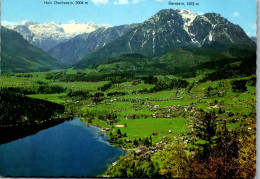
[{"x": 140, "y": 114}]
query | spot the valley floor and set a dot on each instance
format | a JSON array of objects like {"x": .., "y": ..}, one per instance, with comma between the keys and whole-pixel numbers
[{"x": 150, "y": 123}]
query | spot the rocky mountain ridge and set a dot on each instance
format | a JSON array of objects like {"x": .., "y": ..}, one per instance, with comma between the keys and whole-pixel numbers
[
  {"x": 173, "y": 28},
  {"x": 80, "y": 46}
]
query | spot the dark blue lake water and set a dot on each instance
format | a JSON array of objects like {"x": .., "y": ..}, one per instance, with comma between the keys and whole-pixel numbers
[{"x": 69, "y": 149}]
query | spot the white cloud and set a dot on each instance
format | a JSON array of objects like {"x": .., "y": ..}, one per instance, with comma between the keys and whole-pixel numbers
[
  {"x": 9, "y": 23},
  {"x": 71, "y": 21},
  {"x": 200, "y": 13},
  {"x": 121, "y": 2},
  {"x": 99, "y": 2},
  {"x": 136, "y": 1},
  {"x": 118, "y": 2},
  {"x": 235, "y": 14}
]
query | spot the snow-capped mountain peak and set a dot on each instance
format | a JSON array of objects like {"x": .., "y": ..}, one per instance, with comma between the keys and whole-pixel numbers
[
  {"x": 188, "y": 17},
  {"x": 77, "y": 28},
  {"x": 48, "y": 35},
  {"x": 186, "y": 14}
]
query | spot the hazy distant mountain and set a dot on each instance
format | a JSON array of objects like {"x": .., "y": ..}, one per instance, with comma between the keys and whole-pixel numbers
[
  {"x": 80, "y": 46},
  {"x": 172, "y": 28},
  {"x": 18, "y": 55},
  {"x": 254, "y": 39},
  {"x": 46, "y": 36}
]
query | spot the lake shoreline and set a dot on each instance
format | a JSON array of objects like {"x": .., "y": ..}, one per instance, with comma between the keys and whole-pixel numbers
[
  {"x": 104, "y": 132},
  {"x": 13, "y": 132},
  {"x": 63, "y": 137}
]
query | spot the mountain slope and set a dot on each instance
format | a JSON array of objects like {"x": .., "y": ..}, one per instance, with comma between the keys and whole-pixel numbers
[
  {"x": 80, "y": 46},
  {"x": 189, "y": 62},
  {"x": 183, "y": 62},
  {"x": 191, "y": 57},
  {"x": 46, "y": 36},
  {"x": 18, "y": 55},
  {"x": 129, "y": 63},
  {"x": 173, "y": 28}
]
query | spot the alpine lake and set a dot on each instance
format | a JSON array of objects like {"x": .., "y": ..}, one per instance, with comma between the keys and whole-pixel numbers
[{"x": 70, "y": 149}]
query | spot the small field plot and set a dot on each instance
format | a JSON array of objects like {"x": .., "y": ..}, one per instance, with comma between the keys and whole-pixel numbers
[
  {"x": 57, "y": 98},
  {"x": 14, "y": 81},
  {"x": 140, "y": 128}
]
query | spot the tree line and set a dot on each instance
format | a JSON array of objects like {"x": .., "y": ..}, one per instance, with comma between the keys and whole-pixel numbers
[
  {"x": 19, "y": 109},
  {"x": 41, "y": 89}
]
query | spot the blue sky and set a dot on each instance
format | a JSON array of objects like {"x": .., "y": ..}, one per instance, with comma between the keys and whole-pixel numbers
[{"x": 118, "y": 12}]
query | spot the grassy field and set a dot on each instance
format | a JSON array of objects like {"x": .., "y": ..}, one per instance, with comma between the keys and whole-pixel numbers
[
  {"x": 140, "y": 128},
  {"x": 148, "y": 119},
  {"x": 57, "y": 98}
]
